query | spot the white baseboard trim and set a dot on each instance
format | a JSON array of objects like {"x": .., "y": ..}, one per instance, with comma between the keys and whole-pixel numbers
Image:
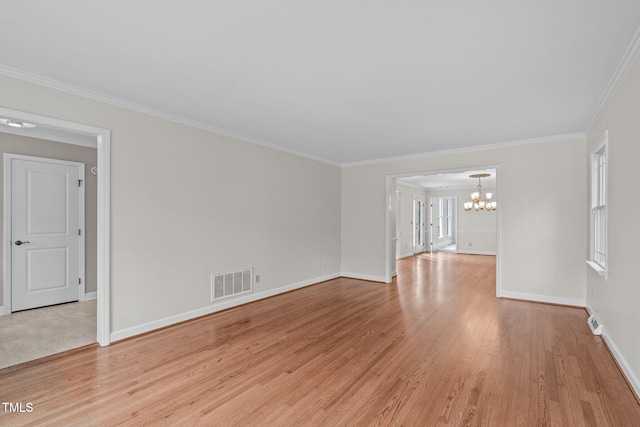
[
  {"x": 543, "y": 298},
  {"x": 167, "y": 321},
  {"x": 407, "y": 255},
  {"x": 2, "y": 313},
  {"x": 475, "y": 252},
  {"x": 632, "y": 378},
  {"x": 364, "y": 277},
  {"x": 476, "y": 231}
]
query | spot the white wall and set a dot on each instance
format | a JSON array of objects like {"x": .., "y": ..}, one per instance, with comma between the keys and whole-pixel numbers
[
  {"x": 541, "y": 215},
  {"x": 187, "y": 202},
  {"x": 476, "y": 229},
  {"x": 616, "y": 300}
]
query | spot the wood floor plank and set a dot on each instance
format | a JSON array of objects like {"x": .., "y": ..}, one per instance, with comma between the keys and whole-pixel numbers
[{"x": 435, "y": 347}]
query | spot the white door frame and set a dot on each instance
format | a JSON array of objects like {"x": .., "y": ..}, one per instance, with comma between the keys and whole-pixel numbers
[
  {"x": 390, "y": 186},
  {"x": 418, "y": 224},
  {"x": 102, "y": 138},
  {"x": 8, "y": 221},
  {"x": 431, "y": 226}
]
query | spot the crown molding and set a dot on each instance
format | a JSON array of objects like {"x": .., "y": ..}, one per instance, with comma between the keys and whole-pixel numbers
[
  {"x": 621, "y": 71},
  {"x": 118, "y": 102},
  {"x": 410, "y": 185},
  {"x": 461, "y": 188},
  {"x": 507, "y": 144}
]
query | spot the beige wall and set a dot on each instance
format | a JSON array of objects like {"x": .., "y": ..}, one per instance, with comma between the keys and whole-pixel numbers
[
  {"x": 16, "y": 144},
  {"x": 541, "y": 215},
  {"x": 615, "y": 300},
  {"x": 186, "y": 202}
]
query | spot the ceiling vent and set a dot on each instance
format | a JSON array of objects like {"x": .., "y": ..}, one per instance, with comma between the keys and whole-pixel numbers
[{"x": 594, "y": 325}]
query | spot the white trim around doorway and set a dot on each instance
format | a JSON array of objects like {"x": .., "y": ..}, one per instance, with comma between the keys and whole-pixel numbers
[
  {"x": 102, "y": 138},
  {"x": 390, "y": 181}
]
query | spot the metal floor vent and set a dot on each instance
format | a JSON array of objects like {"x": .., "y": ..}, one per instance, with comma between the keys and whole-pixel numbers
[
  {"x": 224, "y": 285},
  {"x": 594, "y": 325}
]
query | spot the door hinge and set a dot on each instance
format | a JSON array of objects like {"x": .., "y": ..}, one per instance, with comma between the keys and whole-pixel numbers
[
  {"x": 79, "y": 281},
  {"x": 79, "y": 232},
  {"x": 79, "y": 183}
]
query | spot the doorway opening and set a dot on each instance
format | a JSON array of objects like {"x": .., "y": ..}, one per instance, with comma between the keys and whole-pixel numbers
[
  {"x": 50, "y": 129},
  {"x": 449, "y": 228}
]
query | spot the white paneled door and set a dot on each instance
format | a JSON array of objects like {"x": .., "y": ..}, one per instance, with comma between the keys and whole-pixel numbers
[{"x": 47, "y": 215}]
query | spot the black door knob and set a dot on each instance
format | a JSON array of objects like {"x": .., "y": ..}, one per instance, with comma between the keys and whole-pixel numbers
[{"x": 18, "y": 242}]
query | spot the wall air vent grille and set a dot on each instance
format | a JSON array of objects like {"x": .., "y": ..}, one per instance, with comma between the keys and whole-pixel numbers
[
  {"x": 224, "y": 285},
  {"x": 594, "y": 325}
]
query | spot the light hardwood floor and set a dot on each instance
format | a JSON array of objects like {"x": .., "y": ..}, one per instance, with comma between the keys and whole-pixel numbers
[{"x": 433, "y": 348}]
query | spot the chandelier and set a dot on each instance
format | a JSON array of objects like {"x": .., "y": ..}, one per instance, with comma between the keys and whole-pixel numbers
[{"x": 477, "y": 202}]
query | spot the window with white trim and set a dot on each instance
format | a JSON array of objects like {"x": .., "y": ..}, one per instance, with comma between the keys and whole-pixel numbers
[
  {"x": 445, "y": 217},
  {"x": 442, "y": 216},
  {"x": 449, "y": 217},
  {"x": 598, "y": 250}
]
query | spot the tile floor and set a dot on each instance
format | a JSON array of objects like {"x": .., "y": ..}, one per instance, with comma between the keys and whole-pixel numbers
[{"x": 32, "y": 334}]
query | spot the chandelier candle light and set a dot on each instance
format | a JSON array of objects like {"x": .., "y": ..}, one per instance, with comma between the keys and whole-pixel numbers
[{"x": 477, "y": 202}]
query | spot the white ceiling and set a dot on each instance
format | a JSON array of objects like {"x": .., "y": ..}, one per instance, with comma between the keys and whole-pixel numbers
[{"x": 342, "y": 81}]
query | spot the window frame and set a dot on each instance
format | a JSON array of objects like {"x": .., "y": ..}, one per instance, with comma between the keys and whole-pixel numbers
[
  {"x": 440, "y": 218},
  {"x": 446, "y": 212},
  {"x": 449, "y": 216},
  {"x": 599, "y": 206}
]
